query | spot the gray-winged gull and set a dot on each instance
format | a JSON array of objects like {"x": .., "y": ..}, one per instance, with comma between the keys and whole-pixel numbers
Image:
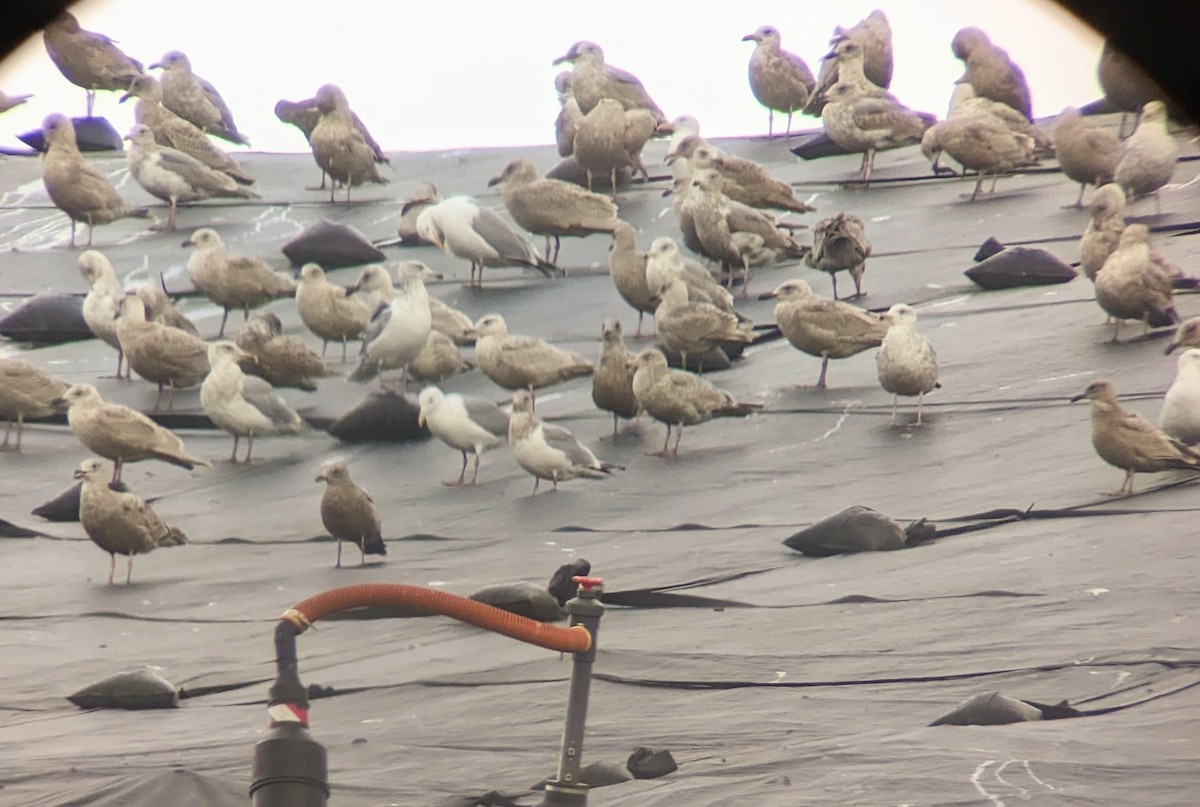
[
  {"x": 176, "y": 177},
  {"x": 627, "y": 268},
  {"x": 523, "y": 362},
  {"x": 906, "y": 362},
  {"x": 611, "y": 138},
  {"x": 230, "y": 280},
  {"x": 827, "y": 329},
  {"x": 872, "y": 38},
  {"x": 1086, "y": 153},
  {"x": 780, "y": 80},
  {"x": 1130, "y": 285},
  {"x": 465, "y": 423},
  {"x": 464, "y": 228},
  {"x": 196, "y": 100},
  {"x": 119, "y": 433},
  {"x": 1148, "y": 156},
  {"x": 328, "y": 310},
  {"x": 990, "y": 70},
  {"x": 612, "y": 381},
  {"x": 350, "y": 514},
  {"x": 868, "y": 124},
  {"x": 338, "y": 146},
  {"x": 102, "y": 305},
  {"x": 397, "y": 331},
  {"x": 695, "y": 327},
  {"x": 677, "y": 398},
  {"x": 119, "y": 523},
  {"x": 840, "y": 244},
  {"x": 88, "y": 59},
  {"x": 160, "y": 354},
  {"x": 551, "y": 207},
  {"x": 281, "y": 360},
  {"x": 592, "y": 79},
  {"x": 549, "y": 452},
  {"x": 161, "y": 309},
  {"x": 245, "y": 406},
  {"x": 74, "y": 185},
  {"x": 26, "y": 391},
  {"x": 1180, "y": 415},
  {"x": 1128, "y": 441}
]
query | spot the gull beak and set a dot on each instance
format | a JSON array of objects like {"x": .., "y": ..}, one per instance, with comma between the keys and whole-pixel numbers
[
  {"x": 768, "y": 295},
  {"x": 1169, "y": 349},
  {"x": 352, "y": 288},
  {"x": 320, "y": 478},
  {"x": 59, "y": 403},
  {"x": 494, "y": 181},
  {"x": 421, "y": 418},
  {"x": 751, "y": 38},
  {"x": 566, "y": 57},
  {"x": 663, "y": 129},
  {"x": 78, "y": 474},
  {"x": 186, "y": 243},
  {"x": 124, "y": 98},
  {"x": 1079, "y": 397},
  {"x": 155, "y": 66}
]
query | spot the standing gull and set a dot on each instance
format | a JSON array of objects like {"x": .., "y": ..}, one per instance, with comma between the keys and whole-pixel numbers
[
  {"x": 610, "y": 138},
  {"x": 26, "y": 391},
  {"x": 462, "y": 227},
  {"x": 282, "y": 361},
  {"x": 683, "y": 127},
  {"x": 377, "y": 286},
  {"x": 627, "y": 268},
  {"x": 568, "y": 117},
  {"x": 397, "y": 332},
  {"x": 1087, "y": 154},
  {"x": 232, "y": 281},
  {"x": 1148, "y": 156},
  {"x": 1130, "y": 285},
  {"x": 990, "y": 71},
  {"x": 305, "y": 116},
  {"x": 592, "y": 79},
  {"x": 243, "y": 405},
  {"x": 523, "y": 362},
  {"x": 780, "y": 81},
  {"x": 176, "y": 177},
  {"x": 1102, "y": 233},
  {"x": 872, "y": 37},
  {"x": 195, "y": 100},
  {"x": 1126, "y": 84},
  {"x": 338, "y": 146},
  {"x": 328, "y": 310},
  {"x": 665, "y": 263},
  {"x": 466, "y": 424},
  {"x": 119, "y": 433},
  {"x": 549, "y": 452},
  {"x": 840, "y": 244},
  {"x": 120, "y": 523},
  {"x": 827, "y": 329},
  {"x": 350, "y": 514},
  {"x": 102, "y": 305},
  {"x": 869, "y": 124},
  {"x": 906, "y": 361},
  {"x": 1180, "y": 416},
  {"x": 741, "y": 180},
  {"x": 983, "y": 143},
  {"x": 677, "y": 399},
  {"x": 74, "y": 185},
  {"x": 1127, "y": 441},
  {"x": 88, "y": 59},
  {"x": 160, "y": 308},
  {"x": 551, "y": 207},
  {"x": 694, "y": 327},
  {"x": 439, "y": 359},
  {"x": 612, "y": 381},
  {"x": 160, "y": 354}
]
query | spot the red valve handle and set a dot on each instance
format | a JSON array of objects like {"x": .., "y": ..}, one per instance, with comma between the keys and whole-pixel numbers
[{"x": 588, "y": 583}]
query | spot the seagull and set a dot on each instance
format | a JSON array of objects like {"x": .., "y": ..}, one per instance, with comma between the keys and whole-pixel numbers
[
  {"x": 397, "y": 331},
  {"x": 1180, "y": 417},
  {"x": 549, "y": 452},
  {"x": 462, "y": 227},
  {"x": 350, "y": 514},
  {"x": 906, "y": 361},
  {"x": 102, "y": 305},
  {"x": 466, "y": 424}
]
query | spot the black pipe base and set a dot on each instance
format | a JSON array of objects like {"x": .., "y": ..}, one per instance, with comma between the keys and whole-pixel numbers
[
  {"x": 289, "y": 769},
  {"x": 563, "y": 795}
]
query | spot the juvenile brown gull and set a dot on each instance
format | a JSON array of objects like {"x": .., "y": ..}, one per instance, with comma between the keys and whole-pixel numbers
[
  {"x": 88, "y": 59},
  {"x": 281, "y": 360},
  {"x": 990, "y": 70},
  {"x": 230, "y": 280},
  {"x": 338, "y": 146},
  {"x": 439, "y": 359},
  {"x": 612, "y": 381},
  {"x": 665, "y": 263},
  {"x": 592, "y": 79},
  {"x": 869, "y": 124},
  {"x": 425, "y": 195},
  {"x": 1127, "y": 441},
  {"x": 523, "y": 362},
  {"x": 549, "y": 452},
  {"x": 196, "y": 100},
  {"x": 350, "y": 514},
  {"x": 245, "y": 406},
  {"x": 694, "y": 327},
  {"x": 983, "y": 143},
  {"x": 328, "y": 310},
  {"x": 1126, "y": 84},
  {"x": 462, "y": 227},
  {"x": 627, "y": 268},
  {"x": 1130, "y": 285},
  {"x": 1087, "y": 154},
  {"x": 568, "y": 117},
  {"x": 780, "y": 81},
  {"x": 26, "y": 391},
  {"x": 119, "y": 433},
  {"x": 872, "y": 37},
  {"x": 120, "y": 523},
  {"x": 840, "y": 244},
  {"x": 466, "y": 424},
  {"x": 1147, "y": 159},
  {"x": 1180, "y": 416},
  {"x": 741, "y": 180},
  {"x": 906, "y": 361},
  {"x": 611, "y": 138},
  {"x": 102, "y": 305},
  {"x": 160, "y": 354},
  {"x": 160, "y": 308}
]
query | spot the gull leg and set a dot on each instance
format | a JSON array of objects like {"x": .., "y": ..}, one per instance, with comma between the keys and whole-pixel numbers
[
  {"x": 614, "y": 425},
  {"x": 895, "y": 403},
  {"x": 978, "y": 185},
  {"x": 158, "y": 397},
  {"x": 558, "y": 245},
  {"x": 1078, "y": 202},
  {"x": 118, "y": 464},
  {"x": 91, "y": 99},
  {"x": 5, "y": 446},
  {"x": 343, "y": 350},
  {"x": 249, "y": 446},
  {"x": 536, "y": 482},
  {"x": 456, "y": 482},
  {"x": 870, "y": 167},
  {"x": 475, "y": 473},
  {"x": 788, "y": 133},
  {"x": 920, "y": 399},
  {"x": 89, "y": 225},
  {"x": 824, "y": 367},
  {"x": 612, "y": 177},
  {"x": 338, "y": 565},
  {"x": 233, "y": 456},
  {"x": 362, "y": 552},
  {"x": 638, "y": 332},
  {"x": 857, "y": 274},
  {"x": 72, "y": 233},
  {"x": 589, "y": 178},
  {"x": 833, "y": 277},
  {"x": 547, "y": 251},
  {"x": 666, "y": 443},
  {"x": 745, "y": 276},
  {"x": 770, "y": 122},
  {"x": 128, "y": 568},
  {"x": 224, "y": 319},
  {"x": 324, "y": 347},
  {"x": 678, "y": 437},
  {"x": 112, "y": 566}
]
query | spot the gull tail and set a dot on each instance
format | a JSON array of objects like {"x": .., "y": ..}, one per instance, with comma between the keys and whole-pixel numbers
[
  {"x": 174, "y": 537},
  {"x": 367, "y": 369},
  {"x": 737, "y": 410}
]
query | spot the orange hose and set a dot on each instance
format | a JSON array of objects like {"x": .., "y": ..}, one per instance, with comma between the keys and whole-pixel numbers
[{"x": 575, "y": 639}]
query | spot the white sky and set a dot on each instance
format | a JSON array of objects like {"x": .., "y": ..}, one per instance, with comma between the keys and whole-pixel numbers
[{"x": 447, "y": 75}]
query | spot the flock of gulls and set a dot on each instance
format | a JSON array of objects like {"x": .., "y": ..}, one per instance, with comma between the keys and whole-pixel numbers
[{"x": 731, "y": 214}]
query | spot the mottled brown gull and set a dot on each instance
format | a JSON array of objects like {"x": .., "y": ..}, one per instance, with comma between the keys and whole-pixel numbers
[
  {"x": 869, "y": 124},
  {"x": 464, "y": 228},
  {"x": 88, "y": 59},
  {"x": 982, "y": 143},
  {"x": 467, "y": 424},
  {"x": 26, "y": 391},
  {"x": 551, "y": 207},
  {"x": 102, "y": 305},
  {"x": 196, "y": 100},
  {"x": 162, "y": 355},
  {"x": 741, "y": 180},
  {"x": 780, "y": 81},
  {"x": 568, "y": 117},
  {"x": 350, "y": 514},
  {"x": 990, "y": 70},
  {"x": 664, "y": 263},
  {"x": 677, "y": 399},
  {"x": 1086, "y": 153},
  {"x": 906, "y": 362},
  {"x": 328, "y": 310},
  {"x": 279, "y": 359},
  {"x": 682, "y": 127},
  {"x": 840, "y": 244},
  {"x": 74, "y": 185},
  {"x": 627, "y": 268},
  {"x": 1126, "y": 84},
  {"x": 161, "y": 309},
  {"x": 1148, "y": 156},
  {"x": 438, "y": 360},
  {"x": 592, "y": 79},
  {"x": 338, "y": 146},
  {"x": 230, "y": 280},
  {"x": 523, "y": 362},
  {"x": 171, "y": 130},
  {"x": 1103, "y": 231},
  {"x": 695, "y": 327},
  {"x": 397, "y": 331},
  {"x": 1130, "y": 285},
  {"x": 119, "y": 523},
  {"x": 549, "y": 452},
  {"x": 119, "y": 433},
  {"x": 1128, "y": 441},
  {"x": 242, "y": 405},
  {"x": 612, "y": 381},
  {"x": 305, "y": 116},
  {"x": 1180, "y": 415},
  {"x": 872, "y": 37},
  {"x": 611, "y": 138},
  {"x": 176, "y": 177},
  {"x": 826, "y": 329}
]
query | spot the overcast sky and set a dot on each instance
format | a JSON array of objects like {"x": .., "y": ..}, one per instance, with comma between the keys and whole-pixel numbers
[{"x": 467, "y": 73}]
